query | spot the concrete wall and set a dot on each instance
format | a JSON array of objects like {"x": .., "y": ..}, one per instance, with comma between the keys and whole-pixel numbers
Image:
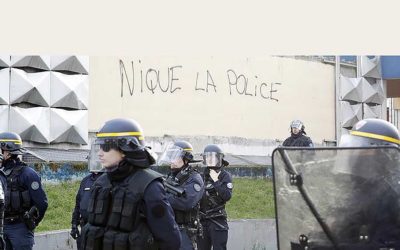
[
  {"x": 231, "y": 97},
  {"x": 243, "y": 235}
]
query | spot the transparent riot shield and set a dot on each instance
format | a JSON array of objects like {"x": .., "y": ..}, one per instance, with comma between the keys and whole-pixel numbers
[{"x": 337, "y": 198}]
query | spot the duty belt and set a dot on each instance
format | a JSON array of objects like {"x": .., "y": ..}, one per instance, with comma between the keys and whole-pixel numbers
[{"x": 13, "y": 220}]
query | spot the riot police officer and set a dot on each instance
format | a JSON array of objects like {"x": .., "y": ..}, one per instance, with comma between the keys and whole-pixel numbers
[
  {"x": 218, "y": 190},
  {"x": 297, "y": 136},
  {"x": 79, "y": 215},
  {"x": 128, "y": 207},
  {"x": 381, "y": 219},
  {"x": 371, "y": 132},
  {"x": 186, "y": 203},
  {"x": 26, "y": 201}
]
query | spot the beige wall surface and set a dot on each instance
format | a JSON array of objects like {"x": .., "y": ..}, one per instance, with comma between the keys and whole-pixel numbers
[{"x": 244, "y": 97}]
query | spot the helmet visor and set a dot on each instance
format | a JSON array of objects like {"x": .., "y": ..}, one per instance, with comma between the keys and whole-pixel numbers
[
  {"x": 212, "y": 159},
  {"x": 171, "y": 155},
  {"x": 94, "y": 164}
]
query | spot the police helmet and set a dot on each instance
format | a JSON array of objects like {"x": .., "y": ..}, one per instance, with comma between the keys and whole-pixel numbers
[
  {"x": 187, "y": 150},
  {"x": 125, "y": 135},
  {"x": 213, "y": 156},
  {"x": 297, "y": 124},
  {"x": 178, "y": 150},
  {"x": 371, "y": 132},
  {"x": 11, "y": 142}
]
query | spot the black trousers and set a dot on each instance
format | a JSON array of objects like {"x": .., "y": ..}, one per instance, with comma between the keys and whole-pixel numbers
[{"x": 215, "y": 234}]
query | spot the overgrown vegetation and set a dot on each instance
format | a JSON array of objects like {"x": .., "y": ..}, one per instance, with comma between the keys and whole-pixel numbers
[{"x": 252, "y": 199}]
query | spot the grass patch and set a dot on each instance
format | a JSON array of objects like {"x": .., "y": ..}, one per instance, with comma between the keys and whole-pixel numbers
[
  {"x": 61, "y": 198},
  {"x": 252, "y": 199}
]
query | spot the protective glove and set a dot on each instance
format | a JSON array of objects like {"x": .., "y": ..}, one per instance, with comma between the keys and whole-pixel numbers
[
  {"x": 214, "y": 175},
  {"x": 75, "y": 232}
]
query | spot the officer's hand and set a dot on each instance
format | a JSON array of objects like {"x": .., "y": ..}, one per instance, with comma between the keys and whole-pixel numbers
[
  {"x": 214, "y": 175},
  {"x": 74, "y": 231}
]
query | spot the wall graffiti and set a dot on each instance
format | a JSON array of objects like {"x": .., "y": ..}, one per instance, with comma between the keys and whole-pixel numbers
[{"x": 137, "y": 79}]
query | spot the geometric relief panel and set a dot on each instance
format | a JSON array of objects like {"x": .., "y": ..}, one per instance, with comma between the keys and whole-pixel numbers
[
  {"x": 4, "y": 117},
  {"x": 351, "y": 114},
  {"x": 370, "y": 67},
  {"x": 4, "y": 86},
  {"x": 72, "y": 64},
  {"x": 31, "y": 124},
  {"x": 33, "y": 88},
  {"x": 40, "y": 63},
  {"x": 372, "y": 111},
  {"x": 350, "y": 89},
  {"x": 45, "y": 98},
  {"x": 69, "y": 126},
  {"x": 69, "y": 91},
  {"x": 4, "y": 61}
]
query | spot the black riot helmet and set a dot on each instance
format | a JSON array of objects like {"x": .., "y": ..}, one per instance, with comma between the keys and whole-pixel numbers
[
  {"x": 187, "y": 150},
  {"x": 125, "y": 135},
  {"x": 371, "y": 132},
  {"x": 173, "y": 153},
  {"x": 213, "y": 157},
  {"x": 11, "y": 142}
]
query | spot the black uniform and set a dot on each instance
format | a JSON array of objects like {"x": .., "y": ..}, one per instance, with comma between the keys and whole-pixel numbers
[
  {"x": 128, "y": 209},
  {"x": 212, "y": 211},
  {"x": 24, "y": 195},
  {"x": 186, "y": 207},
  {"x": 3, "y": 190},
  {"x": 80, "y": 214},
  {"x": 298, "y": 140}
]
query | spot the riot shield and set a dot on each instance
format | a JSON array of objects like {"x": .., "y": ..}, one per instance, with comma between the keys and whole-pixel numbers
[{"x": 337, "y": 198}]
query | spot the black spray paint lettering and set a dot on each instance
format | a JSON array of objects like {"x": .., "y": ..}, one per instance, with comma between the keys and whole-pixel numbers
[
  {"x": 272, "y": 90},
  {"x": 151, "y": 79},
  {"x": 238, "y": 80},
  {"x": 243, "y": 86},
  {"x": 209, "y": 82}
]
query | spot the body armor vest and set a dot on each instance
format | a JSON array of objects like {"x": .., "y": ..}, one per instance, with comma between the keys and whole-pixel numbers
[
  {"x": 211, "y": 204},
  {"x": 17, "y": 198},
  {"x": 190, "y": 217},
  {"x": 115, "y": 217}
]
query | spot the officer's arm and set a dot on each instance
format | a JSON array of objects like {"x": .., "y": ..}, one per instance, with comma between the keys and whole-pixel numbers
[
  {"x": 160, "y": 216},
  {"x": 286, "y": 142},
  {"x": 224, "y": 186},
  {"x": 36, "y": 192},
  {"x": 194, "y": 189},
  {"x": 76, "y": 214},
  {"x": 309, "y": 142}
]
